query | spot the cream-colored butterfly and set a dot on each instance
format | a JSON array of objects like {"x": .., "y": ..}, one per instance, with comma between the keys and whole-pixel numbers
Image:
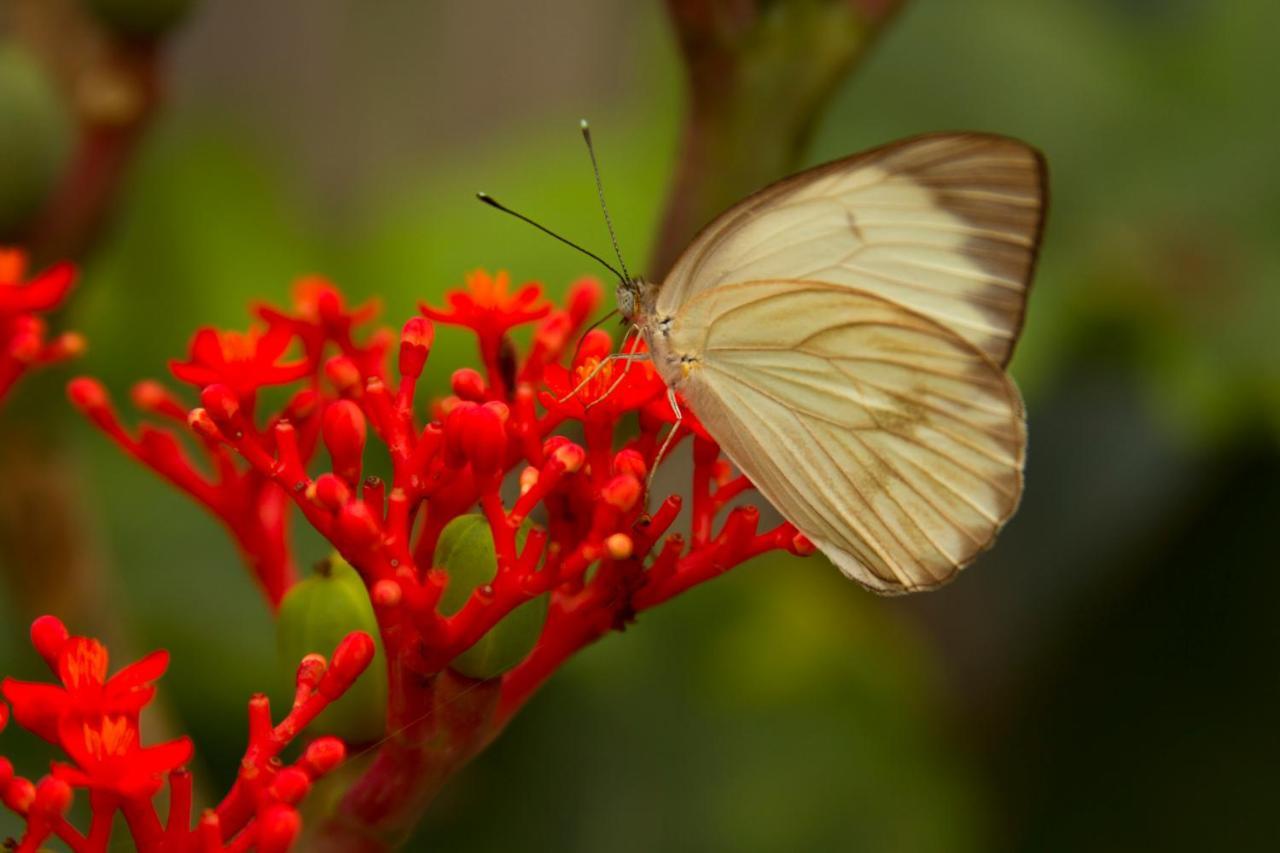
[{"x": 843, "y": 334}]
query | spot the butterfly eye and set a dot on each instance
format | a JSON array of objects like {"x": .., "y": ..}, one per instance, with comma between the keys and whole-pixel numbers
[{"x": 626, "y": 301}]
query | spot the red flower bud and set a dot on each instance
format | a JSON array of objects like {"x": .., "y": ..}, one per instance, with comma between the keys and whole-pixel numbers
[
  {"x": 386, "y": 593},
  {"x": 329, "y": 492},
  {"x": 570, "y": 456},
  {"x": 202, "y": 425},
  {"x": 801, "y": 545},
  {"x": 584, "y": 298},
  {"x": 415, "y": 345},
  {"x": 322, "y": 755},
  {"x": 6, "y": 772},
  {"x": 52, "y": 797},
  {"x": 477, "y": 434},
  {"x": 222, "y": 404},
  {"x": 596, "y": 344},
  {"x": 622, "y": 492},
  {"x": 278, "y": 828},
  {"x": 311, "y": 670},
  {"x": 291, "y": 785},
  {"x": 151, "y": 396},
  {"x": 87, "y": 395},
  {"x": 19, "y": 794},
  {"x": 619, "y": 546},
  {"x": 468, "y": 384},
  {"x": 342, "y": 373},
  {"x": 630, "y": 462},
  {"x": 301, "y": 405},
  {"x": 357, "y": 525},
  {"x": 528, "y": 479},
  {"x": 345, "y": 432},
  {"x": 48, "y": 635},
  {"x": 350, "y": 659}
]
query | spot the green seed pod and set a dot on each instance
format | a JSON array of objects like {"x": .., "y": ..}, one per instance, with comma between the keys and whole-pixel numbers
[
  {"x": 139, "y": 18},
  {"x": 314, "y": 617},
  {"x": 35, "y": 141},
  {"x": 466, "y": 552}
]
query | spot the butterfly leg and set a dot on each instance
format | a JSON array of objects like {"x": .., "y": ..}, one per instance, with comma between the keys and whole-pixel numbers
[
  {"x": 630, "y": 358},
  {"x": 666, "y": 444},
  {"x": 624, "y": 356}
]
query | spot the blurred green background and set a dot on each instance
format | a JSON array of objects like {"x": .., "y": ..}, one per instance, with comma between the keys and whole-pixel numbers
[{"x": 1105, "y": 679}]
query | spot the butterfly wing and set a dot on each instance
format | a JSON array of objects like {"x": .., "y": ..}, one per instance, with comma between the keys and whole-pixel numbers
[
  {"x": 892, "y": 442},
  {"x": 945, "y": 224}
]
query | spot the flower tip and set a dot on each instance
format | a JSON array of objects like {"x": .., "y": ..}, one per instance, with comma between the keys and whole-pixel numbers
[
  {"x": 220, "y": 402},
  {"x": 416, "y": 339},
  {"x": 68, "y": 345},
  {"x": 149, "y": 395},
  {"x": 350, "y": 659},
  {"x": 52, "y": 797},
  {"x": 622, "y": 492},
  {"x": 202, "y": 425},
  {"x": 468, "y": 384},
  {"x": 18, "y": 794},
  {"x": 291, "y": 785},
  {"x": 310, "y": 670},
  {"x": 278, "y": 827},
  {"x": 343, "y": 373},
  {"x": 630, "y": 462},
  {"x": 49, "y": 636},
  {"x": 802, "y": 546},
  {"x": 87, "y": 394},
  {"x": 323, "y": 755},
  {"x": 570, "y": 456},
  {"x": 619, "y": 546},
  {"x": 386, "y": 593}
]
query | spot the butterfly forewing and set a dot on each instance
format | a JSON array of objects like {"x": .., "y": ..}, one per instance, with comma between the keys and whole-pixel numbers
[
  {"x": 947, "y": 225},
  {"x": 890, "y": 440}
]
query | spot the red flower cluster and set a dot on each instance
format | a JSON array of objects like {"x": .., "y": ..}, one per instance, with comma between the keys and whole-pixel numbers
[
  {"x": 22, "y": 331},
  {"x": 93, "y": 719},
  {"x": 595, "y": 550}
]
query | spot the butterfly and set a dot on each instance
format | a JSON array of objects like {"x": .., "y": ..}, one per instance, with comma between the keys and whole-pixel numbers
[{"x": 843, "y": 336}]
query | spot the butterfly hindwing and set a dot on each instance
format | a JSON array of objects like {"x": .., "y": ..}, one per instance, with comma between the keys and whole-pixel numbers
[{"x": 894, "y": 443}]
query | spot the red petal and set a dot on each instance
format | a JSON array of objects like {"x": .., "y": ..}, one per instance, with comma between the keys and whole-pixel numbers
[
  {"x": 37, "y": 707},
  {"x": 140, "y": 673}
]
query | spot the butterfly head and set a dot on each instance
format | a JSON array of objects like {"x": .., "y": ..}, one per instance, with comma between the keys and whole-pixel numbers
[{"x": 635, "y": 299}]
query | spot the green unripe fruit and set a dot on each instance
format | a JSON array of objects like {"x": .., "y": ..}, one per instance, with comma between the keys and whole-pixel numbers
[
  {"x": 139, "y": 18},
  {"x": 314, "y": 617},
  {"x": 35, "y": 138},
  {"x": 465, "y": 551}
]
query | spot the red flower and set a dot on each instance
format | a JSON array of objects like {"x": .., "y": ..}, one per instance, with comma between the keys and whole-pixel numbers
[
  {"x": 81, "y": 666},
  {"x": 244, "y": 362},
  {"x": 487, "y": 308},
  {"x": 22, "y": 331},
  {"x": 599, "y": 385},
  {"x": 109, "y": 755}
]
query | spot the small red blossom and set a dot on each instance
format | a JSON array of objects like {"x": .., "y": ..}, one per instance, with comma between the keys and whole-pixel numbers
[
  {"x": 599, "y": 384},
  {"x": 94, "y": 719},
  {"x": 108, "y": 755},
  {"x": 23, "y": 342},
  {"x": 243, "y": 361},
  {"x": 487, "y": 307},
  {"x": 85, "y": 691}
]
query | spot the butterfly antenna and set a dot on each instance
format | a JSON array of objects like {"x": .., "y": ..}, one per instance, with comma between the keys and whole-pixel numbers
[
  {"x": 493, "y": 202},
  {"x": 595, "y": 168}
]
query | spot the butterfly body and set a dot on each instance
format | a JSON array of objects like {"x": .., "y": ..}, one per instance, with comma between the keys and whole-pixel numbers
[{"x": 843, "y": 334}]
